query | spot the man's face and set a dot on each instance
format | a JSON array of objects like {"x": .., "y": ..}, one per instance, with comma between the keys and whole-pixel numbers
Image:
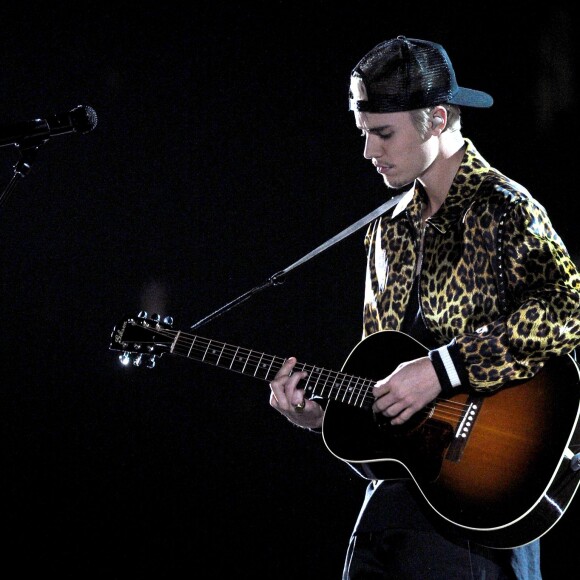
[{"x": 395, "y": 147}]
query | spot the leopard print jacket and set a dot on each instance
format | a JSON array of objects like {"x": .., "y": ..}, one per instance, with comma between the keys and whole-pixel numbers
[{"x": 496, "y": 281}]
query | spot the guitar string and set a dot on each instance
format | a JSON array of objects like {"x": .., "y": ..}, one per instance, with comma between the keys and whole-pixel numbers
[
  {"x": 361, "y": 386},
  {"x": 253, "y": 359},
  {"x": 443, "y": 406}
]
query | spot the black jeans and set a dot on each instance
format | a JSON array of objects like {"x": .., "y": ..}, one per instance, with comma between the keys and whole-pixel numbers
[{"x": 422, "y": 555}]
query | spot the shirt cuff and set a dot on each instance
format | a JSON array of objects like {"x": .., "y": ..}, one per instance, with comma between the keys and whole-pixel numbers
[{"x": 447, "y": 364}]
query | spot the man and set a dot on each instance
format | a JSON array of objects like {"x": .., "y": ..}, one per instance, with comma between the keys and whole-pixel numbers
[{"x": 469, "y": 265}]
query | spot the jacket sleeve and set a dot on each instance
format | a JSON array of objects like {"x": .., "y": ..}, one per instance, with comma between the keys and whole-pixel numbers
[{"x": 539, "y": 286}]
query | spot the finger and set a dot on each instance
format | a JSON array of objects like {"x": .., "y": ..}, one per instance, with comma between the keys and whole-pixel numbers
[
  {"x": 287, "y": 377},
  {"x": 282, "y": 404},
  {"x": 278, "y": 395},
  {"x": 286, "y": 369},
  {"x": 388, "y": 408},
  {"x": 286, "y": 396},
  {"x": 383, "y": 401},
  {"x": 278, "y": 384},
  {"x": 382, "y": 387},
  {"x": 403, "y": 417},
  {"x": 294, "y": 392}
]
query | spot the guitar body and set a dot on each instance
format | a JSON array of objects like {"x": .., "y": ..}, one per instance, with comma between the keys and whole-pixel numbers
[{"x": 499, "y": 466}]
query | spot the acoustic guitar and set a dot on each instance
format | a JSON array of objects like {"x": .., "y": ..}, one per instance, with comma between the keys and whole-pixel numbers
[{"x": 503, "y": 467}]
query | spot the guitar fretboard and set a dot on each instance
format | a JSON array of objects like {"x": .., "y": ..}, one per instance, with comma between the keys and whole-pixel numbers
[{"x": 320, "y": 382}]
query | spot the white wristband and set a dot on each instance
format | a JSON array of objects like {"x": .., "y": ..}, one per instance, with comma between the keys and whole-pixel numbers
[{"x": 449, "y": 366}]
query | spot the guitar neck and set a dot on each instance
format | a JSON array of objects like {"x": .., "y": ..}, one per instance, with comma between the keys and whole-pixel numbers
[{"x": 320, "y": 382}]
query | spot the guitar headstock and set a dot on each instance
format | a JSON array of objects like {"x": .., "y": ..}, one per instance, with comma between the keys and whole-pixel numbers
[{"x": 142, "y": 339}]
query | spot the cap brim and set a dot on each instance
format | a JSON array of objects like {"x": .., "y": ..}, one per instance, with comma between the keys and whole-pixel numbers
[{"x": 471, "y": 98}]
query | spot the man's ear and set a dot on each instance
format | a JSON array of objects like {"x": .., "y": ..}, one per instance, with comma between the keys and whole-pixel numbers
[{"x": 438, "y": 117}]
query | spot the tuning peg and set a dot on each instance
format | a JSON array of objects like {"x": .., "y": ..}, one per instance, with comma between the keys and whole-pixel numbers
[
  {"x": 168, "y": 320},
  {"x": 151, "y": 362},
  {"x": 155, "y": 317},
  {"x": 125, "y": 359},
  {"x": 142, "y": 314},
  {"x": 138, "y": 360}
]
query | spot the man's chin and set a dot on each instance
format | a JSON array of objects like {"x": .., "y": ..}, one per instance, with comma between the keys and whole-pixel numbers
[{"x": 394, "y": 183}]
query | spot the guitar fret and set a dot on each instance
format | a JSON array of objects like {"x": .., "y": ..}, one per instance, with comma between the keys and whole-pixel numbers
[
  {"x": 175, "y": 341},
  {"x": 324, "y": 384},
  {"x": 192, "y": 343},
  {"x": 339, "y": 386},
  {"x": 315, "y": 372},
  {"x": 344, "y": 382},
  {"x": 333, "y": 386},
  {"x": 211, "y": 355},
  {"x": 358, "y": 392},
  {"x": 217, "y": 362},
  {"x": 344, "y": 392},
  {"x": 206, "y": 349},
  {"x": 362, "y": 400},
  {"x": 335, "y": 390},
  {"x": 269, "y": 369},
  {"x": 258, "y": 364},
  {"x": 262, "y": 367},
  {"x": 307, "y": 388},
  {"x": 351, "y": 390},
  {"x": 239, "y": 361},
  {"x": 243, "y": 370},
  {"x": 234, "y": 357}
]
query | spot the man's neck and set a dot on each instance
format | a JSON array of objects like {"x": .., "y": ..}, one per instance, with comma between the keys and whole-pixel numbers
[{"x": 438, "y": 179}]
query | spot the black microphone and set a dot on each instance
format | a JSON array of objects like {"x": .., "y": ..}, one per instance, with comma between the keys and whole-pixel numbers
[{"x": 81, "y": 119}]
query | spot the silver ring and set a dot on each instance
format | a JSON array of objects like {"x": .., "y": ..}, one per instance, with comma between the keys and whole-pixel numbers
[{"x": 300, "y": 407}]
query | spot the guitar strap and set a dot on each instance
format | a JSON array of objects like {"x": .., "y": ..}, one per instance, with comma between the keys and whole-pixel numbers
[
  {"x": 346, "y": 232},
  {"x": 278, "y": 278}
]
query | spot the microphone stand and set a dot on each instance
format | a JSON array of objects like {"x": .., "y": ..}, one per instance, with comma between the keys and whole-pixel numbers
[
  {"x": 28, "y": 150},
  {"x": 278, "y": 278}
]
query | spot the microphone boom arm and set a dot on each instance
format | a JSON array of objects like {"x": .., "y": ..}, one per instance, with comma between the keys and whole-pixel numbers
[{"x": 28, "y": 150}]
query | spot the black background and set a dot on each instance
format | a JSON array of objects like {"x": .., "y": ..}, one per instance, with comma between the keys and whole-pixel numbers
[{"x": 224, "y": 152}]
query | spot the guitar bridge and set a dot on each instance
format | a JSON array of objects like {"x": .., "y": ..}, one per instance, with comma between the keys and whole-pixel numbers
[{"x": 464, "y": 428}]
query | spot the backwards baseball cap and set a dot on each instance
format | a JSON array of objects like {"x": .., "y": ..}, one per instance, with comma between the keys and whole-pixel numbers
[{"x": 403, "y": 74}]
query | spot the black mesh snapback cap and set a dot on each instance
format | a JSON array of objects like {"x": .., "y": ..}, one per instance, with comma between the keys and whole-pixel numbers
[{"x": 403, "y": 74}]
